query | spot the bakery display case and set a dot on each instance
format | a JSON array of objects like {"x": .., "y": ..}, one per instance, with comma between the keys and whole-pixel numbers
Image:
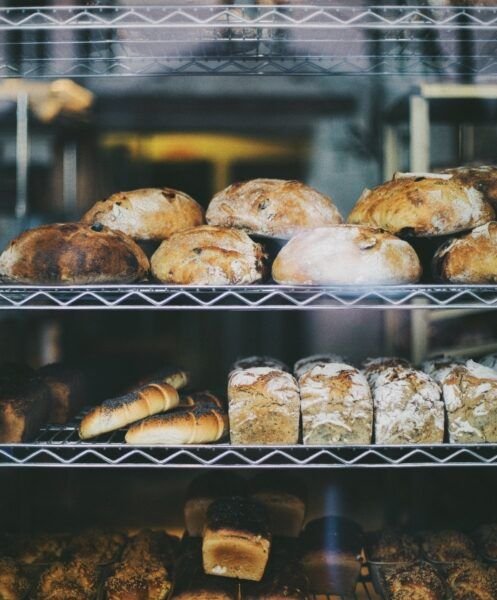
[{"x": 311, "y": 444}]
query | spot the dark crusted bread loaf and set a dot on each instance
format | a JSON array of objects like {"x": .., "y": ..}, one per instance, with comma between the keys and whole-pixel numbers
[
  {"x": 272, "y": 207},
  {"x": 147, "y": 214},
  {"x": 420, "y": 581},
  {"x": 236, "y": 539},
  {"x": 73, "y": 254}
]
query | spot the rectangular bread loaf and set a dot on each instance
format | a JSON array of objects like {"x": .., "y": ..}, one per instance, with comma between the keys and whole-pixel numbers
[{"x": 264, "y": 407}]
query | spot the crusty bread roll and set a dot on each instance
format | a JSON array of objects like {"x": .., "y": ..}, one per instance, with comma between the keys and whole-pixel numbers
[
  {"x": 470, "y": 396},
  {"x": 264, "y": 406},
  {"x": 236, "y": 539},
  {"x": 422, "y": 205},
  {"x": 119, "y": 412},
  {"x": 337, "y": 407},
  {"x": 209, "y": 256},
  {"x": 196, "y": 425},
  {"x": 175, "y": 376},
  {"x": 202, "y": 492},
  {"x": 272, "y": 207},
  {"x": 147, "y": 214},
  {"x": 483, "y": 178},
  {"x": 73, "y": 254},
  {"x": 471, "y": 259},
  {"x": 346, "y": 254}
]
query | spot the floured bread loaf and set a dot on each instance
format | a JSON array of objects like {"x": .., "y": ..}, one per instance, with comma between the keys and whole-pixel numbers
[
  {"x": 408, "y": 408},
  {"x": 470, "y": 396},
  {"x": 469, "y": 259},
  {"x": 209, "y": 256},
  {"x": 346, "y": 254},
  {"x": 272, "y": 207},
  {"x": 490, "y": 361},
  {"x": 264, "y": 406},
  {"x": 374, "y": 367},
  {"x": 422, "y": 205},
  {"x": 308, "y": 362},
  {"x": 483, "y": 178},
  {"x": 259, "y": 361},
  {"x": 337, "y": 407},
  {"x": 73, "y": 254},
  {"x": 438, "y": 367},
  {"x": 147, "y": 214}
]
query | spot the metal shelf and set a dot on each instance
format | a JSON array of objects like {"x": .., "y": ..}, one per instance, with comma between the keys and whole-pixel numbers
[
  {"x": 247, "y": 39},
  {"x": 60, "y": 446},
  {"x": 255, "y": 297}
]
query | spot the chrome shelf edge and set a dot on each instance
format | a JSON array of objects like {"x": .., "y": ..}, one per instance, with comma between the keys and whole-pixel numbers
[{"x": 256, "y": 297}]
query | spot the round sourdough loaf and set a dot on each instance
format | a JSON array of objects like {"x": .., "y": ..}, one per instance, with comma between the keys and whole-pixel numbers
[
  {"x": 147, "y": 214},
  {"x": 346, "y": 254},
  {"x": 73, "y": 254},
  {"x": 470, "y": 259},
  {"x": 209, "y": 256},
  {"x": 272, "y": 207},
  {"x": 422, "y": 205},
  {"x": 483, "y": 178}
]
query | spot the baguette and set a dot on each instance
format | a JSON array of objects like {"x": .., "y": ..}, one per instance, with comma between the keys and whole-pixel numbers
[
  {"x": 199, "y": 424},
  {"x": 119, "y": 412}
]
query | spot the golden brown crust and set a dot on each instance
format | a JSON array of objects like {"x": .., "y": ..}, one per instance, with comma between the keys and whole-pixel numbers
[
  {"x": 13, "y": 584},
  {"x": 391, "y": 546},
  {"x": 209, "y": 256},
  {"x": 422, "y": 206},
  {"x": 119, "y": 412},
  {"x": 415, "y": 582},
  {"x": 471, "y": 580},
  {"x": 76, "y": 580},
  {"x": 272, "y": 207},
  {"x": 73, "y": 254},
  {"x": 148, "y": 580},
  {"x": 39, "y": 549},
  {"x": 483, "y": 178},
  {"x": 99, "y": 546},
  {"x": 471, "y": 259},
  {"x": 346, "y": 254},
  {"x": 147, "y": 214}
]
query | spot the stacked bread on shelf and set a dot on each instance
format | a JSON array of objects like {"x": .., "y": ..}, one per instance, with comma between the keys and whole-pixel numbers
[{"x": 246, "y": 222}]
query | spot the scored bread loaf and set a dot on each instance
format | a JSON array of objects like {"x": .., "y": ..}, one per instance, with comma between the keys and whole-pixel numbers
[
  {"x": 346, "y": 254},
  {"x": 374, "y": 367},
  {"x": 483, "y": 178},
  {"x": 272, "y": 208},
  {"x": 236, "y": 539},
  {"x": 422, "y": 205},
  {"x": 209, "y": 256},
  {"x": 408, "y": 408},
  {"x": 439, "y": 366},
  {"x": 471, "y": 259},
  {"x": 470, "y": 397},
  {"x": 307, "y": 363},
  {"x": 147, "y": 214},
  {"x": 336, "y": 403},
  {"x": 264, "y": 406},
  {"x": 73, "y": 254},
  {"x": 119, "y": 412},
  {"x": 202, "y": 492},
  {"x": 198, "y": 424}
]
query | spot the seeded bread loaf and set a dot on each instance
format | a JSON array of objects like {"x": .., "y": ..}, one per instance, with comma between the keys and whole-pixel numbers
[
  {"x": 337, "y": 407},
  {"x": 422, "y": 205},
  {"x": 472, "y": 580},
  {"x": 420, "y": 581},
  {"x": 264, "y": 407},
  {"x": 447, "y": 546}
]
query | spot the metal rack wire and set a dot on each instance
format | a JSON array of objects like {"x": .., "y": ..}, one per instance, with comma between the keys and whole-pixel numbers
[
  {"x": 245, "y": 39},
  {"x": 255, "y": 297}
]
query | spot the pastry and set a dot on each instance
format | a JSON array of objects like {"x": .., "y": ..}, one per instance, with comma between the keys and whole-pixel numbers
[
  {"x": 392, "y": 546},
  {"x": 75, "y": 580},
  {"x": 415, "y": 582},
  {"x": 447, "y": 546},
  {"x": 471, "y": 580}
]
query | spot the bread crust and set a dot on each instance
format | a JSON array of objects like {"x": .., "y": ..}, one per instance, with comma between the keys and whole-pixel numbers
[
  {"x": 196, "y": 425},
  {"x": 119, "y": 412},
  {"x": 483, "y": 178},
  {"x": 72, "y": 254},
  {"x": 209, "y": 256},
  {"x": 346, "y": 255},
  {"x": 471, "y": 259},
  {"x": 148, "y": 213},
  {"x": 422, "y": 206},
  {"x": 272, "y": 207}
]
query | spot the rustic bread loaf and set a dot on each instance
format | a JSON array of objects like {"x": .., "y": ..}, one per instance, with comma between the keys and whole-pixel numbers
[
  {"x": 408, "y": 408},
  {"x": 236, "y": 539},
  {"x": 209, "y": 256},
  {"x": 73, "y": 254},
  {"x": 259, "y": 361},
  {"x": 284, "y": 499},
  {"x": 374, "y": 367},
  {"x": 264, "y": 407},
  {"x": 420, "y": 581},
  {"x": 308, "y": 362},
  {"x": 202, "y": 492},
  {"x": 470, "y": 397},
  {"x": 422, "y": 205},
  {"x": 147, "y": 214},
  {"x": 483, "y": 178},
  {"x": 490, "y": 361},
  {"x": 346, "y": 254},
  {"x": 124, "y": 410},
  {"x": 337, "y": 407},
  {"x": 438, "y": 367},
  {"x": 471, "y": 259},
  {"x": 330, "y": 550},
  {"x": 272, "y": 207}
]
